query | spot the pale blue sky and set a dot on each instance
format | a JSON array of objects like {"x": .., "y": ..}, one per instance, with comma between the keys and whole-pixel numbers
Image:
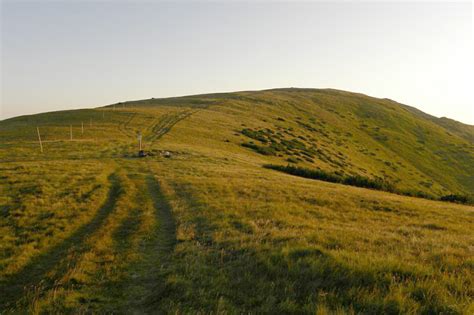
[{"x": 61, "y": 55}]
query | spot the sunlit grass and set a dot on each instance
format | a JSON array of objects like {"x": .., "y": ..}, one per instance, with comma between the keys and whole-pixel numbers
[
  {"x": 86, "y": 226},
  {"x": 284, "y": 244},
  {"x": 42, "y": 202}
]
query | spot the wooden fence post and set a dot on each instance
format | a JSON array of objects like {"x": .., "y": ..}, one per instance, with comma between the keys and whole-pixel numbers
[{"x": 39, "y": 139}]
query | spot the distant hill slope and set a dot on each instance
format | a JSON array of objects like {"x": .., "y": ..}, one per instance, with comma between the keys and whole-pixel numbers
[
  {"x": 460, "y": 129},
  {"x": 333, "y": 130},
  {"x": 349, "y": 133}
]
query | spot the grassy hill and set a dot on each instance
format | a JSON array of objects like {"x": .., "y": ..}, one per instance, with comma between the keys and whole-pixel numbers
[{"x": 86, "y": 226}]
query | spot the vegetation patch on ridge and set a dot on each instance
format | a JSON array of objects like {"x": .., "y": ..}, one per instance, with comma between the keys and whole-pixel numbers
[
  {"x": 352, "y": 180},
  {"x": 364, "y": 182}
]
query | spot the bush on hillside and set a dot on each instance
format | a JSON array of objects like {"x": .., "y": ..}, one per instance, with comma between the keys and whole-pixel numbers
[
  {"x": 356, "y": 180},
  {"x": 455, "y": 198},
  {"x": 365, "y": 182},
  {"x": 256, "y": 135},
  {"x": 415, "y": 193},
  {"x": 259, "y": 149}
]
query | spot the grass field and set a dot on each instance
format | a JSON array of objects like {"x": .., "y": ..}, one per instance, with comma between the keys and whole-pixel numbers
[{"x": 87, "y": 227}]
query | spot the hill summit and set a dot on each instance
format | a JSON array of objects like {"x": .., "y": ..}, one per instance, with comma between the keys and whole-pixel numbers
[{"x": 343, "y": 132}]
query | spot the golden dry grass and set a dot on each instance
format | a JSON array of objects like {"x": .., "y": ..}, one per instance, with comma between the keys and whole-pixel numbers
[{"x": 87, "y": 227}]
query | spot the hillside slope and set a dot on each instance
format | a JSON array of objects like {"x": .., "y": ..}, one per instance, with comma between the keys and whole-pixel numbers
[
  {"x": 349, "y": 133},
  {"x": 86, "y": 226}
]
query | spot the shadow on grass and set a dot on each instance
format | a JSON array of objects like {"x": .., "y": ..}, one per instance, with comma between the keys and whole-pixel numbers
[
  {"x": 110, "y": 293},
  {"x": 166, "y": 224},
  {"x": 35, "y": 273},
  {"x": 158, "y": 249},
  {"x": 144, "y": 284},
  {"x": 208, "y": 276}
]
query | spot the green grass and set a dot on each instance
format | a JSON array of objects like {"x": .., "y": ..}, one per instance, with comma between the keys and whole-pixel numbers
[
  {"x": 365, "y": 182},
  {"x": 87, "y": 227},
  {"x": 299, "y": 247}
]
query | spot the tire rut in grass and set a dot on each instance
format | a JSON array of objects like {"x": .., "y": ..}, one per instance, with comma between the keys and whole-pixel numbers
[
  {"x": 36, "y": 274},
  {"x": 164, "y": 125},
  {"x": 166, "y": 224},
  {"x": 148, "y": 285},
  {"x": 108, "y": 294}
]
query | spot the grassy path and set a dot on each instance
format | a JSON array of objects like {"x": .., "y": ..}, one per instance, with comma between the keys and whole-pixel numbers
[
  {"x": 44, "y": 270},
  {"x": 165, "y": 124},
  {"x": 166, "y": 232},
  {"x": 146, "y": 283},
  {"x": 118, "y": 261}
]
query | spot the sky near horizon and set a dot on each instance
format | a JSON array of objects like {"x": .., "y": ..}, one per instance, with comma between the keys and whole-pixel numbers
[{"x": 59, "y": 55}]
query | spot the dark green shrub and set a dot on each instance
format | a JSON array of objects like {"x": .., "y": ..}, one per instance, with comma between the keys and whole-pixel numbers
[
  {"x": 257, "y": 135},
  {"x": 352, "y": 180},
  {"x": 366, "y": 182},
  {"x": 455, "y": 198},
  {"x": 259, "y": 149},
  {"x": 306, "y": 173},
  {"x": 415, "y": 193},
  {"x": 292, "y": 160}
]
